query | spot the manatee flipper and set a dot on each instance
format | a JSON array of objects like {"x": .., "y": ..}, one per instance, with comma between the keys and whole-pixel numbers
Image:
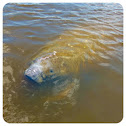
[{"x": 68, "y": 91}]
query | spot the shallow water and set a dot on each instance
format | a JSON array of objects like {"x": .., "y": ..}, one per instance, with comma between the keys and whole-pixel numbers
[{"x": 28, "y": 27}]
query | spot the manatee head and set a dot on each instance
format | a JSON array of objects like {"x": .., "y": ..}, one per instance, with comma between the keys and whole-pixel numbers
[{"x": 40, "y": 70}]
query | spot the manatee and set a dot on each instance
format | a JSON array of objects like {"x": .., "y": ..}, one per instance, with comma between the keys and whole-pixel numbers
[{"x": 58, "y": 63}]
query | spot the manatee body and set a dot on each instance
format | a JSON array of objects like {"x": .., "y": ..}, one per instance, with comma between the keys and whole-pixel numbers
[{"x": 58, "y": 64}]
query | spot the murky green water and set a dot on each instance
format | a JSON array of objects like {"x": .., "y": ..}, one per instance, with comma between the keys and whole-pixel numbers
[{"x": 27, "y": 28}]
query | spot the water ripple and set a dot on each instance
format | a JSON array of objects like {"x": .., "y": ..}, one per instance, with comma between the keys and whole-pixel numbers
[{"x": 96, "y": 29}]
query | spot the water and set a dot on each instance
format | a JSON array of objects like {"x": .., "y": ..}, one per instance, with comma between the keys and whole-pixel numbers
[{"x": 28, "y": 27}]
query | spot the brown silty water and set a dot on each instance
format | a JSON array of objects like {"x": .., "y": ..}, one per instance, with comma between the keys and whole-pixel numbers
[{"x": 87, "y": 40}]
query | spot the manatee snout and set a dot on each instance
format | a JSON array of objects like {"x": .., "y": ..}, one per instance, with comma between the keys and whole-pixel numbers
[{"x": 35, "y": 73}]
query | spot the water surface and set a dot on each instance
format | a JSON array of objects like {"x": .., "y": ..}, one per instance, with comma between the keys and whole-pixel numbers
[{"x": 27, "y": 27}]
